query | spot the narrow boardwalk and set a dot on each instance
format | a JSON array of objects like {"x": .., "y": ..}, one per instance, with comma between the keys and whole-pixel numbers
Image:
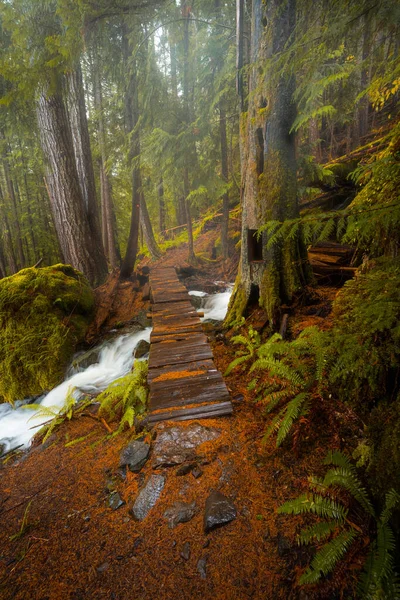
[{"x": 184, "y": 382}]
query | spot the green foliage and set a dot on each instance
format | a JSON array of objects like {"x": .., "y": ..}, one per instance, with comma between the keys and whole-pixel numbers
[
  {"x": 250, "y": 343},
  {"x": 125, "y": 398},
  {"x": 55, "y": 414},
  {"x": 44, "y": 313},
  {"x": 295, "y": 368},
  {"x": 338, "y": 533}
]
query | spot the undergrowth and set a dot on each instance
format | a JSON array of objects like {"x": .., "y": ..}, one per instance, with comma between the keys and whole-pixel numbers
[
  {"x": 337, "y": 532},
  {"x": 125, "y": 398}
]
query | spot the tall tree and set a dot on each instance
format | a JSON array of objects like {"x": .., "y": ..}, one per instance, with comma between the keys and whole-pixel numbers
[
  {"x": 270, "y": 187},
  {"x": 68, "y": 204}
]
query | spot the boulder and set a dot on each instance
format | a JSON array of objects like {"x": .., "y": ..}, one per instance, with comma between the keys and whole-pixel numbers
[
  {"x": 148, "y": 497},
  {"x": 134, "y": 456},
  {"x": 142, "y": 349},
  {"x": 180, "y": 512},
  {"x": 176, "y": 445},
  {"x": 218, "y": 511}
]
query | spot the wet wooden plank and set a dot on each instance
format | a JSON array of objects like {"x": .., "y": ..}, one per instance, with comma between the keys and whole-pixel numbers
[
  {"x": 212, "y": 411},
  {"x": 184, "y": 382}
]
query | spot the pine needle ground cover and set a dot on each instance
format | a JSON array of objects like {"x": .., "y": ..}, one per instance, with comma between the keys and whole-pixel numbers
[{"x": 44, "y": 314}]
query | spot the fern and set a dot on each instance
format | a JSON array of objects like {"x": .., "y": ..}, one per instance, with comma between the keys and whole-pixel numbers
[
  {"x": 297, "y": 407},
  {"x": 126, "y": 397},
  {"x": 378, "y": 579},
  {"x": 329, "y": 555}
]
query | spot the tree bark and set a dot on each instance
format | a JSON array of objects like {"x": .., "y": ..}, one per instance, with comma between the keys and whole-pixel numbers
[
  {"x": 131, "y": 122},
  {"x": 84, "y": 161},
  {"x": 270, "y": 183},
  {"x": 67, "y": 201},
  {"x": 12, "y": 263},
  {"x": 107, "y": 209},
  {"x": 161, "y": 208},
  {"x": 14, "y": 209},
  {"x": 147, "y": 228},
  {"x": 186, "y": 180}
]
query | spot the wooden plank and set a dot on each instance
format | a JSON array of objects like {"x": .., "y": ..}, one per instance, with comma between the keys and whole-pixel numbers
[
  {"x": 184, "y": 382},
  {"x": 202, "y": 412}
]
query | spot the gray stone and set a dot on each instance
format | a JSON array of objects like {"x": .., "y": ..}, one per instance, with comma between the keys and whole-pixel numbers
[
  {"x": 142, "y": 349},
  {"x": 180, "y": 512},
  {"x": 186, "y": 551},
  {"x": 176, "y": 445},
  {"x": 115, "y": 501},
  {"x": 134, "y": 456},
  {"x": 148, "y": 497},
  {"x": 218, "y": 511},
  {"x": 201, "y": 567},
  {"x": 86, "y": 359}
]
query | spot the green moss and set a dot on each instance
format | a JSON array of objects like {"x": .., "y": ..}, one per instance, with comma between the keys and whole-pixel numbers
[
  {"x": 269, "y": 292},
  {"x": 44, "y": 313},
  {"x": 237, "y": 304}
]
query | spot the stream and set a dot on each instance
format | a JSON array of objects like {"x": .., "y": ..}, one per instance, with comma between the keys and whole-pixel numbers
[{"x": 19, "y": 424}]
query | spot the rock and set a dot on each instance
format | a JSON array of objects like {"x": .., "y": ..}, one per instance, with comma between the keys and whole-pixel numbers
[
  {"x": 86, "y": 359},
  {"x": 218, "y": 511},
  {"x": 142, "y": 349},
  {"x": 134, "y": 456},
  {"x": 186, "y": 551},
  {"x": 143, "y": 319},
  {"x": 176, "y": 445},
  {"x": 148, "y": 497},
  {"x": 180, "y": 512},
  {"x": 185, "y": 469},
  {"x": 115, "y": 501},
  {"x": 201, "y": 567},
  {"x": 197, "y": 472}
]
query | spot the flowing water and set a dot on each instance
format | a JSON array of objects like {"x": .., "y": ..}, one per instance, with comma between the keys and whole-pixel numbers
[{"x": 18, "y": 425}]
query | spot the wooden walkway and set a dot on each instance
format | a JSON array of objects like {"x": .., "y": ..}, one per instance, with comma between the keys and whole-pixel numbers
[{"x": 184, "y": 382}]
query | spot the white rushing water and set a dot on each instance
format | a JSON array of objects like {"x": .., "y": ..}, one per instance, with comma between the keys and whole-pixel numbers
[
  {"x": 214, "y": 306},
  {"x": 18, "y": 425}
]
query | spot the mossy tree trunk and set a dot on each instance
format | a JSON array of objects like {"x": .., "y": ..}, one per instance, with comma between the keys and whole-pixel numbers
[
  {"x": 269, "y": 170},
  {"x": 67, "y": 203}
]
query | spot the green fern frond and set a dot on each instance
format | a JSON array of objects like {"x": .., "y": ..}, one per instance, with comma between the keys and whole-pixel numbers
[
  {"x": 344, "y": 478},
  {"x": 318, "y": 532},
  {"x": 236, "y": 362},
  {"x": 296, "y": 407},
  {"x": 273, "y": 400},
  {"x": 328, "y": 556},
  {"x": 391, "y": 502},
  {"x": 316, "y": 504},
  {"x": 277, "y": 368}
]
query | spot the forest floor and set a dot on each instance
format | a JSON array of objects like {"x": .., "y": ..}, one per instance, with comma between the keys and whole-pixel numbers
[{"x": 60, "y": 539}]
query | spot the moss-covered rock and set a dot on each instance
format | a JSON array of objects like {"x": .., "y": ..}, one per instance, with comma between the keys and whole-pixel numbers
[{"x": 44, "y": 313}]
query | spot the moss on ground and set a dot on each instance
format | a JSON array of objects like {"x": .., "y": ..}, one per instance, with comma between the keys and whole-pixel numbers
[{"x": 44, "y": 314}]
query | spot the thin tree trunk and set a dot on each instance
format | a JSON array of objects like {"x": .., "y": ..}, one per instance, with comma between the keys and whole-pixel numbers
[
  {"x": 148, "y": 233},
  {"x": 7, "y": 236},
  {"x": 107, "y": 208},
  {"x": 186, "y": 181},
  {"x": 14, "y": 208},
  {"x": 67, "y": 202},
  {"x": 161, "y": 208},
  {"x": 84, "y": 161},
  {"x": 131, "y": 119}
]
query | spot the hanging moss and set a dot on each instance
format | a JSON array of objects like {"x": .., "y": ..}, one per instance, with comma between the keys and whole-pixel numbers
[{"x": 44, "y": 313}]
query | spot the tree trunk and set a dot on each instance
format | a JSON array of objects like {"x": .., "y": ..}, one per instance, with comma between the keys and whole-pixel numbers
[
  {"x": 84, "y": 161},
  {"x": 12, "y": 263},
  {"x": 67, "y": 202},
  {"x": 107, "y": 209},
  {"x": 161, "y": 208},
  {"x": 186, "y": 180},
  {"x": 148, "y": 233},
  {"x": 14, "y": 208},
  {"x": 131, "y": 120},
  {"x": 270, "y": 188}
]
